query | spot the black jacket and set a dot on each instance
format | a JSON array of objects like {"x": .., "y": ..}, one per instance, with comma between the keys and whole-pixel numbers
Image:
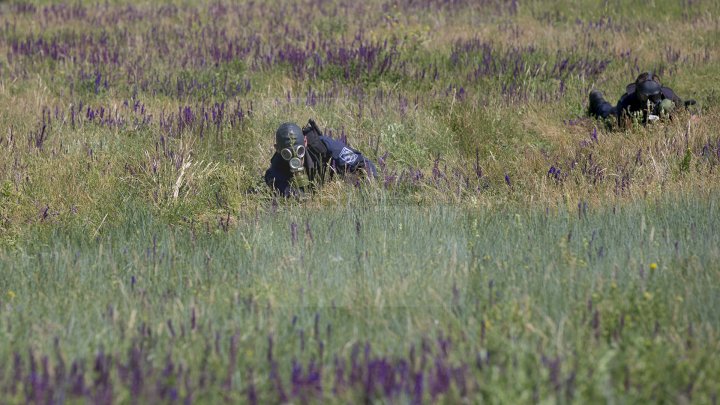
[{"x": 630, "y": 103}]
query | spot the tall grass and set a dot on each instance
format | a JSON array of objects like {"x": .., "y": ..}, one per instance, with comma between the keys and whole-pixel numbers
[
  {"x": 632, "y": 282},
  {"x": 456, "y": 107},
  {"x": 510, "y": 250}
]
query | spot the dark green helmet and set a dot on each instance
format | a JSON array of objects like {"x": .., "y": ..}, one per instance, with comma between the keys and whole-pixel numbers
[
  {"x": 648, "y": 89},
  {"x": 287, "y": 135}
]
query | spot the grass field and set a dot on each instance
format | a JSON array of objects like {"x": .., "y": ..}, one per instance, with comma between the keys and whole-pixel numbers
[{"x": 511, "y": 250}]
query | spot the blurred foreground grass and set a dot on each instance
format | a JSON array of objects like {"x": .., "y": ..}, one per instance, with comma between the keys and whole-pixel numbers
[{"x": 634, "y": 287}]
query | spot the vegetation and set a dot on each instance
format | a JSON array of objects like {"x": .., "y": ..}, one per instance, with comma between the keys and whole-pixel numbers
[{"x": 511, "y": 249}]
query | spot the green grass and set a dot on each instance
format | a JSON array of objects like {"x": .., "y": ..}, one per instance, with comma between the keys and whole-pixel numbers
[
  {"x": 392, "y": 275},
  {"x": 598, "y": 284}
]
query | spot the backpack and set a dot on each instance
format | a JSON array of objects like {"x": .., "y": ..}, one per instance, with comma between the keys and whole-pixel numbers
[{"x": 312, "y": 133}]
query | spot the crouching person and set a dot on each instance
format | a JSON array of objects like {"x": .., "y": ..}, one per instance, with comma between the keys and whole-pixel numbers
[
  {"x": 304, "y": 159},
  {"x": 646, "y": 98}
]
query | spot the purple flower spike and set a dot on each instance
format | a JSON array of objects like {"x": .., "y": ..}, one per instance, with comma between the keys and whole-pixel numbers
[
  {"x": 296, "y": 377},
  {"x": 418, "y": 389},
  {"x": 251, "y": 391},
  {"x": 339, "y": 375},
  {"x": 293, "y": 233},
  {"x": 308, "y": 231},
  {"x": 277, "y": 382},
  {"x": 478, "y": 169}
]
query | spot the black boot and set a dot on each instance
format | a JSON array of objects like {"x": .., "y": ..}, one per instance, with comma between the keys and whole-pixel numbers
[{"x": 598, "y": 106}]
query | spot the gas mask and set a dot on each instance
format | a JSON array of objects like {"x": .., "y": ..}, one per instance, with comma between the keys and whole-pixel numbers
[{"x": 294, "y": 156}]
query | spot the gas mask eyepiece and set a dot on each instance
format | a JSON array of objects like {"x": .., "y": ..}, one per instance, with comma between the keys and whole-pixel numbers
[{"x": 295, "y": 151}]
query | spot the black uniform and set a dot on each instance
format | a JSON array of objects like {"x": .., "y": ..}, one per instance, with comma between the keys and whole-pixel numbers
[
  {"x": 641, "y": 96},
  {"x": 324, "y": 158}
]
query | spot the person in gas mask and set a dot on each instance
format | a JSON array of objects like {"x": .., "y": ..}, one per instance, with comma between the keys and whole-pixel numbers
[
  {"x": 304, "y": 159},
  {"x": 645, "y": 98}
]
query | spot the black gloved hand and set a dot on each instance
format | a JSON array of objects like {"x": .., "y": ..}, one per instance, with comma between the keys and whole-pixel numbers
[{"x": 690, "y": 102}]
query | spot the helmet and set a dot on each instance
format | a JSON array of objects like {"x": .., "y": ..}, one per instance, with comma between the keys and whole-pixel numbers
[
  {"x": 648, "y": 90},
  {"x": 647, "y": 87},
  {"x": 287, "y": 135}
]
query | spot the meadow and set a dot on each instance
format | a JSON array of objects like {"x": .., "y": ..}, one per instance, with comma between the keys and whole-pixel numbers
[{"x": 511, "y": 250}]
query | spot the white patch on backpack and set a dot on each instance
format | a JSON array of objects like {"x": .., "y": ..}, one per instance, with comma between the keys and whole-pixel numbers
[{"x": 348, "y": 156}]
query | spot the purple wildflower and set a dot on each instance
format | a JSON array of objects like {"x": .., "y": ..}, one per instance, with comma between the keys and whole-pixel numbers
[{"x": 293, "y": 233}]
